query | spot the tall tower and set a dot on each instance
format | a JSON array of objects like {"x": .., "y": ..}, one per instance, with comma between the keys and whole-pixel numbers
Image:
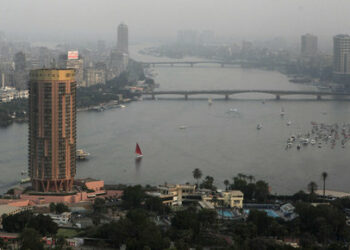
[
  {"x": 341, "y": 58},
  {"x": 309, "y": 45},
  {"x": 52, "y": 129},
  {"x": 123, "y": 39}
]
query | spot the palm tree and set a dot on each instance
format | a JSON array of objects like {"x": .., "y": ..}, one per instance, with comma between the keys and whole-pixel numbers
[
  {"x": 251, "y": 178},
  {"x": 324, "y": 177},
  {"x": 226, "y": 182},
  {"x": 197, "y": 174},
  {"x": 312, "y": 186}
]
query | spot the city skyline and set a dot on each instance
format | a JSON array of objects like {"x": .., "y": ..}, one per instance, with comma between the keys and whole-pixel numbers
[{"x": 226, "y": 19}]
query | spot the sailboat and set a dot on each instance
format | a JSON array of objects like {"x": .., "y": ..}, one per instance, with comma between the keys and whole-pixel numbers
[{"x": 138, "y": 152}]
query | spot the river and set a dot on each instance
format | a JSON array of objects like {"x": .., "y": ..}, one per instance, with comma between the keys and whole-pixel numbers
[{"x": 220, "y": 143}]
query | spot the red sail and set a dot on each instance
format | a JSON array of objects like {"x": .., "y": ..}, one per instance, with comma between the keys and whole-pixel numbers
[{"x": 138, "y": 149}]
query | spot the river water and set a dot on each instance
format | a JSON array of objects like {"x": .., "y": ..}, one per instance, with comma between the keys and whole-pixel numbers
[{"x": 219, "y": 142}]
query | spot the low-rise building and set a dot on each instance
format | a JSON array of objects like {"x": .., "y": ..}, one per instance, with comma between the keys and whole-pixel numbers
[
  {"x": 62, "y": 218},
  {"x": 232, "y": 198},
  {"x": 173, "y": 195}
]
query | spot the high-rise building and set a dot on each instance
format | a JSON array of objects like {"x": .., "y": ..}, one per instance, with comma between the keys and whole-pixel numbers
[
  {"x": 341, "y": 58},
  {"x": 52, "y": 129},
  {"x": 309, "y": 45},
  {"x": 123, "y": 39}
]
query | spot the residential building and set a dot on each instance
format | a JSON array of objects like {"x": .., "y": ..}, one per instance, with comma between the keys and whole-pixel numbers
[
  {"x": 173, "y": 195},
  {"x": 52, "y": 129},
  {"x": 232, "y": 198},
  {"x": 117, "y": 64},
  {"x": 78, "y": 65},
  {"x": 95, "y": 75},
  {"x": 341, "y": 58},
  {"x": 309, "y": 45}
]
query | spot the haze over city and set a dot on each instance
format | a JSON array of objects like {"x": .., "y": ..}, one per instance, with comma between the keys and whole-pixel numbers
[
  {"x": 66, "y": 20},
  {"x": 174, "y": 125}
]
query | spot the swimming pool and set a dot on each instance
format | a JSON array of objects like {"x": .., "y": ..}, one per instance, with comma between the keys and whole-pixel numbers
[
  {"x": 225, "y": 213},
  {"x": 269, "y": 212}
]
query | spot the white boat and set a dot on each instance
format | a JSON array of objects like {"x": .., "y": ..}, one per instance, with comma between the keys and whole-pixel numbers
[
  {"x": 183, "y": 127},
  {"x": 282, "y": 112},
  {"x": 259, "y": 126},
  {"x": 82, "y": 155},
  {"x": 25, "y": 180},
  {"x": 122, "y": 106},
  {"x": 304, "y": 141},
  {"x": 312, "y": 142},
  {"x": 289, "y": 123},
  {"x": 210, "y": 101},
  {"x": 233, "y": 110}
]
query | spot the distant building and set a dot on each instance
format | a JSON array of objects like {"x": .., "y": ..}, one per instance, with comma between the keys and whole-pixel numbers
[
  {"x": 75, "y": 61},
  {"x": 123, "y": 39},
  {"x": 52, "y": 130},
  {"x": 20, "y": 75},
  {"x": 117, "y": 64},
  {"x": 309, "y": 45},
  {"x": 341, "y": 59},
  {"x": 20, "y": 61},
  {"x": 95, "y": 75},
  {"x": 187, "y": 37}
]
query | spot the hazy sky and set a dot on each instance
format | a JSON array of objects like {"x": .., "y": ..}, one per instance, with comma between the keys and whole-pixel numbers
[{"x": 250, "y": 19}]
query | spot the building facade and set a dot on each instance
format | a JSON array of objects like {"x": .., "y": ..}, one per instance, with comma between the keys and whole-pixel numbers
[
  {"x": 123, "y": 39},
  {"x": 52, "y": 129},
  {"x": 341, "y": 58},
  {"x": 309, "y": 45}
]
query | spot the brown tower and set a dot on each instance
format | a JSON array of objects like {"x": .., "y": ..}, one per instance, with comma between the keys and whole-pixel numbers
[{"x": 52, "y": 129}]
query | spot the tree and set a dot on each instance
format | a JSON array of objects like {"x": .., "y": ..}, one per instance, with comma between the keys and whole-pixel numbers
[
  {"x": 99, "y": 205},
  {"x": 324, "y": 177},
  {"x": 261, "y": 190},
  {"x": 197, "y": 174},
  {"x": 208, "y": 183},
  {"x": 31, "y": 240},
  {"x": 61, "y": 208},
  {"x": 251, "y": 178},
  {"x": 312, "y": 186},
  {"x": 52, "y": 207},
  {"x": 226, "y": 183},
  {"x": 133, "y": 196}
]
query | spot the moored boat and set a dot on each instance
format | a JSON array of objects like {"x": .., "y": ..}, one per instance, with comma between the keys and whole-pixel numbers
[{"x": 82, "y": 155}]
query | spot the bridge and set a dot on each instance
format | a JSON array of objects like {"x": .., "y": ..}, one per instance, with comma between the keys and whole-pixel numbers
[
  {"x": 192, "y": 63},
  {"x": 228, "y": 93}
]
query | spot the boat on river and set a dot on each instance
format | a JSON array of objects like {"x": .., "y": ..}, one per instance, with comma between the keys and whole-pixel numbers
[
  {"x": 282, "y": 112},
  {"x": 138, "y": 152},
  {"x": 259, "y": 126},
  {"x": 82, "y": 155}
]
